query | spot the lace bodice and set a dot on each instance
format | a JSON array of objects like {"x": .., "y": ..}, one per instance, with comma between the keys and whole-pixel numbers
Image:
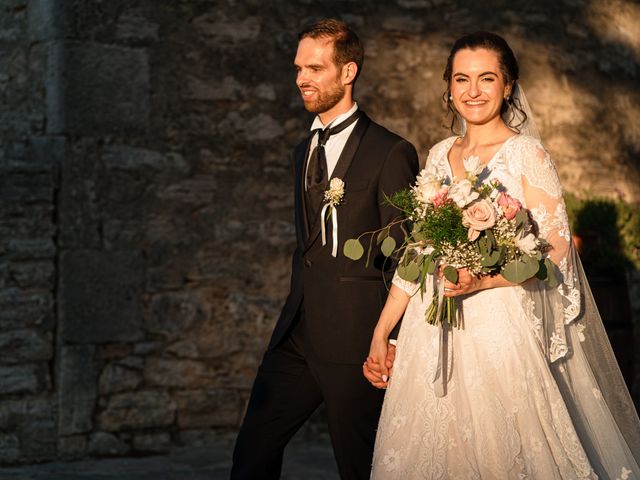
[{"x": 525, "y": 168}]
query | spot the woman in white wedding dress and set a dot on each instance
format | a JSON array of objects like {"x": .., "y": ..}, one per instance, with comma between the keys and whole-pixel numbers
[{"x": 528, "y": 388}]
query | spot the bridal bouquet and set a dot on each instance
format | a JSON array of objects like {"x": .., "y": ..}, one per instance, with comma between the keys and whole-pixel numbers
[{"x": 467, "y": 224}]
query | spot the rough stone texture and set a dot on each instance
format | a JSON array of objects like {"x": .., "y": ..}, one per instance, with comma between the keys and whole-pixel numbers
[
  {"x": 104, "y": 443},
  {"x": 142, "y": 409},
  {"x": 146, "y": 191},
  {"x": 106, "y": 89},
  {"x": 22, "y": 379},
  {"x": 77, "y": 388},
  {"x": 100, "y": 296}
]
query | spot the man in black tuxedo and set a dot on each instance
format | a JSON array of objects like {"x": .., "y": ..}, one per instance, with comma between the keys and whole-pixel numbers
[{"x": 322, "y": 337}]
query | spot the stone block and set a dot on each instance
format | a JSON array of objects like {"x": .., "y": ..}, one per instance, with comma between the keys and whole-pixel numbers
[
  {"x": 72, "y": 447},
  {"x": 9, "y": 447},
  {"x": 104, "y": 444},
  {"x": 198, "y": 437},
  {"x": 45, "y": 19},
  {"x": 21, "y": 379},
  {"x": 142, "y": 409},
  {"x": 22, "y": 308},
  {"x": 115, "y": 378},
  {"x": 124, "y": 157},
  {"x": 101, "y": 296},
  {"x": 27, "y": 183},
  {"x": 16, "y": 413},
  {"x": 31, "y": 249},
  {"x": 26, "y": 345},
  {"x": 168, "y": 372},
  {"x": 47, "y": 150},
  {"x": 33, "y": 274},
  {"x": 159, "y": 442},
  {"x": 77, "y": 388},
  {"x": 77, "y": 204},
  {"x": 39, "y": 439},
  {"x": 135, "y": 27},
  {"x": 173, "y": 313},
  {"x": 106, "y": 88},
  {"x": 208, "y": 408}
]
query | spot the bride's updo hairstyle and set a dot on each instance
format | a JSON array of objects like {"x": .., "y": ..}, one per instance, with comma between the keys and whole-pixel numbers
[{"x": 508, "y": 68}]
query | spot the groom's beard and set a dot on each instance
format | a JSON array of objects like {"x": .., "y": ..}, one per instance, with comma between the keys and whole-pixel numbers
[{"x": 326, "y": 100}]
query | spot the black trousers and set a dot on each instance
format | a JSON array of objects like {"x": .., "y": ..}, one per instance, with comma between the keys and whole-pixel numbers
[{"x": 288, "y": 388}]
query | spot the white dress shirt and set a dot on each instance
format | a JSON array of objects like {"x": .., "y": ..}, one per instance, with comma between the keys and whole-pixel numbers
[{"x": 334, "y": 146}]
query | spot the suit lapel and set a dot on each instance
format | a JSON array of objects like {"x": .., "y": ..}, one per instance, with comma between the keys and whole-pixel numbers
[
  {"x": 340, "y": 171},
  {"x": 300, "y": 168}
]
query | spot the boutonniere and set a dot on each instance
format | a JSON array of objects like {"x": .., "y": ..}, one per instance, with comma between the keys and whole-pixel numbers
[{"x": 333, "y": 197}]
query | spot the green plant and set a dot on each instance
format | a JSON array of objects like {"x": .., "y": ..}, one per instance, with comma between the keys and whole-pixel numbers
[{"x": 609, "y": 230}]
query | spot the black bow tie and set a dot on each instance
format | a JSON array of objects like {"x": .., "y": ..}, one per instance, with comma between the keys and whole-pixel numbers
[{"x": 317, "y": 169}]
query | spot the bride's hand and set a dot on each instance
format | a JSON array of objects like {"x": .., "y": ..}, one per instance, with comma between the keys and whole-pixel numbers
[
  {"x": 467, "y": 283},
  {"x": 376, "y": 367}
]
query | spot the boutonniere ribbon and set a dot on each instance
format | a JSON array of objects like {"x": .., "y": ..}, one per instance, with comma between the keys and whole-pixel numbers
[{"x": 333, "y": 197}]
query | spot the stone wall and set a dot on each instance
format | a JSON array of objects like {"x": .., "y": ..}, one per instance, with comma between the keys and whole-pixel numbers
[{"x": 146, "y": 192}]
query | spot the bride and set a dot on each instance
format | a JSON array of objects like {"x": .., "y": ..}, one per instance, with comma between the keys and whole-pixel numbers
[{"x": 529, "y": 387}]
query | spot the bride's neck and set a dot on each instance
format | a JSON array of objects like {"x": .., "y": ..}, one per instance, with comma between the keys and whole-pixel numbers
[{"x": 486, "y": 134}]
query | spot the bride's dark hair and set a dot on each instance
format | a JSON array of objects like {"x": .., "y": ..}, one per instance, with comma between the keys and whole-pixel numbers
[{"x": 508, "y": 67}]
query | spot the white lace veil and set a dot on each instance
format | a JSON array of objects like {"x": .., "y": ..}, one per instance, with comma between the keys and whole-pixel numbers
[{"x": 586, "y": 370}]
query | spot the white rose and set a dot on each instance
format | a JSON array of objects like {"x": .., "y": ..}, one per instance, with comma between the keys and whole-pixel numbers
[
  {"x": 472, "y": 165},
  {"x": 527, "y": 243},
  {"x": 462, "y": 193},
  {"x": 336, "y": 183},
  {"x": 426, "y": 187}
]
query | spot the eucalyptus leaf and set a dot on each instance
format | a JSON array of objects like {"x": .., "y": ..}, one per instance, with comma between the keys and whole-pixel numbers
[
  {"x": 521, "y": 218},
  {"x": 492, "y": 259},
  {"x": 384, "y": 233},
  {"x": 409, "y": 272},
  {"x": 388, "y": 246},
  {"x": 532, "y": 264},
  {"x": 542, "y": 271},
  {"x": 431, "y": 263},
  {"x": 552, "y": 278},
  {"x": 490, "y": 238},
  {"x": 451, "y": 274},
  {"x": 518, "y": 271},
  {"x": 353, "y": 249},
  {"x": 484, "y": 245}
]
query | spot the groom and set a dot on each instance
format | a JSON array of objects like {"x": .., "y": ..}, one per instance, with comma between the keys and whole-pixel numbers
[{"x": 322, "y": 337}]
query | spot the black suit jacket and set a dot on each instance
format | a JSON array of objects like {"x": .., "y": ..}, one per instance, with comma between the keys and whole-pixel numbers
[{"x": 342, "y": 299}]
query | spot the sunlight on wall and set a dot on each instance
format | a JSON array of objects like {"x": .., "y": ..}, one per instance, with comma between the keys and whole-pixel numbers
[{"x": 616, "y": 21}]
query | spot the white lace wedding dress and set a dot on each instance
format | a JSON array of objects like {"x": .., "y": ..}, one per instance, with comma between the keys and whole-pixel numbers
[{"x": 522, "y": 400}]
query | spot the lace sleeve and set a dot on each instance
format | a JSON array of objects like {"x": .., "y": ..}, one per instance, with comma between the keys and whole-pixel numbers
[{"x": 543, "y": 197}]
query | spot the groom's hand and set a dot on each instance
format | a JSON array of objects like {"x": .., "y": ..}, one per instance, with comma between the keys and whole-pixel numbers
[{"x": 373, "y": 371}]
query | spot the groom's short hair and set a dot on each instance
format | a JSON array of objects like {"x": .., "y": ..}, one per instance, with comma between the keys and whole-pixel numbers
[{"x": 347, "y": 45}]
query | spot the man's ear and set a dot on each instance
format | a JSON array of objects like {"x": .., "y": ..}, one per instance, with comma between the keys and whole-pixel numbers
[{"x": 349, "y": 72}]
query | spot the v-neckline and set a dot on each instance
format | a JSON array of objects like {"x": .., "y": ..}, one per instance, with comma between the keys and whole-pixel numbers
[{"x": 486, "y": 165}]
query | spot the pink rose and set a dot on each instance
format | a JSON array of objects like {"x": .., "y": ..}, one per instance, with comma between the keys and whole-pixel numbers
[
  {"x": 479, "y": 216},
  {"x": 440, "y": 198},
  {"x": 510, "y": 206}
]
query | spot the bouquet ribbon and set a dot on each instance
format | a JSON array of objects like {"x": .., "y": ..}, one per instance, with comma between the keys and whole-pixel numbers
[
  {"x": 440, "y": 377},
  {"x": 333, "y": 213}
]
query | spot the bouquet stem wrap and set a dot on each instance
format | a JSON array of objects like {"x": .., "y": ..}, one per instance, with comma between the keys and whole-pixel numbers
[{"x": 440, "y": 378}]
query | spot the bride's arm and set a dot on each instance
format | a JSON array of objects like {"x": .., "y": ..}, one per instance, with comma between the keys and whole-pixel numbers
[{"x": 394, "y": 308}]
